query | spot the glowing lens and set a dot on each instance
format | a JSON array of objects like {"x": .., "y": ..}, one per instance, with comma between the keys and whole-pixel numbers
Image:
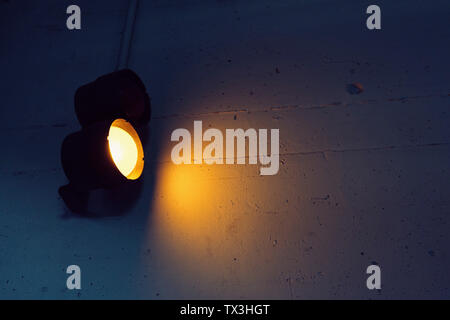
[{"x": 123, "y": 150}]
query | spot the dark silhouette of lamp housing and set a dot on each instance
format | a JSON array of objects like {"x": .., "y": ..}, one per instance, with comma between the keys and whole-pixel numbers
[
  {"x": 120, "y": 94},
  {"x": 107, "y": 152}
]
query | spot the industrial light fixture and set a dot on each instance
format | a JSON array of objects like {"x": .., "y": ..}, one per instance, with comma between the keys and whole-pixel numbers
[{"x": 107, "y": 151}]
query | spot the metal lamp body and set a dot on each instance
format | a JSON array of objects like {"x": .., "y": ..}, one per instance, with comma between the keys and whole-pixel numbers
[
  {"x": 120, "y": 94},
  {"x": 89, "y": 160}
]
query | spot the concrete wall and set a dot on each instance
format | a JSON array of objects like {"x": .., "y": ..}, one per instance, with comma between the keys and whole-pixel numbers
[{"x": 363, "y": 178}]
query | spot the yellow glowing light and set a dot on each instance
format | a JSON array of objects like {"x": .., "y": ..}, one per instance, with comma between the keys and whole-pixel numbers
[{"x": 126, "y": 149}]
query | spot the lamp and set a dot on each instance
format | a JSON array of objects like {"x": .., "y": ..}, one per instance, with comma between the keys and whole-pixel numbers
[{"x": 107, "y": 152}]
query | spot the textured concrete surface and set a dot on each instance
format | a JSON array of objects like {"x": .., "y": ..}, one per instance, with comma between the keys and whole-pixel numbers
[{"x": 363, "y": 178}]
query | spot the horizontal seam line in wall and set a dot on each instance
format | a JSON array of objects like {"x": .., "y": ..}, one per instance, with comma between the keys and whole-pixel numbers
[
  {"x": 244, "y": 110},
  {"x": 306, "y": 153},
  {"x": 299, "y": 107}
]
